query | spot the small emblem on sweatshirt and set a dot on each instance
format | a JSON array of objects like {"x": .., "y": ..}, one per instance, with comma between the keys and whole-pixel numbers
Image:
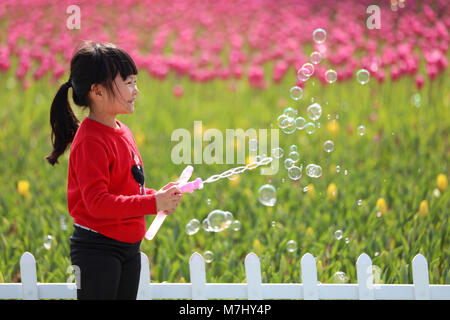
[{"x": 138, "y": 172}]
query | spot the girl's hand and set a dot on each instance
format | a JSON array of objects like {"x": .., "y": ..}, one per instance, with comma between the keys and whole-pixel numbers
[{"x": 167, "y": 199}]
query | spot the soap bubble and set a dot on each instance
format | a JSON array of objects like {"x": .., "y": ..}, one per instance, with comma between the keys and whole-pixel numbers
[
  {"x": 308, "y": 69},
  {"x": 267, "y": 195},
  {"x": 330, "y": 76},
  {"x": 328, "y": 145},
  {"x": 315, "y": 57},
  {"x": 205, "y": 225},
  {"x": 436, "y": 193},
  {"x": 296, "y": 93},
  {"x": 314, "y": 111},
  {"x": 288, "y": 125},
  {"x": 288, "y": 163},
  {"x": 290, "y": 112},
  {"x": 208, "y": 256},
  {"x": 340, "y": 277},
  {"x": 300, "y": 123},
  {"x": 313, "y": 170},
  {"x": 416, "y": 99},
  {"x": 302, "y": 74},
  {"x": 338, "y": 234},
  {"x": 219, "y": 220},
  {"x": 192, "y": 227},
  {"x": 275, "y": 224},
  {"x": 361, "y": 130},
  {"x": 294, "y": 155},
  {"x": 362, "y": 76},
  {"x": 281, "y": 121},
  {"x": 295, "y": 172},
  {"x": 376, "y": 271},
  {"x": 236, "y": 225},
  {"x": 293, "y": 148},
  {"x": 253, "y": 144},
  {"x": 310, "y": 128},
  {"x": 48, "y": 241},
  {"x": 62, "y": 220},
  {"x": 319, "y": 35},
  {"x": 277, "y": 153},
  {"x": 291, "y": 246}
]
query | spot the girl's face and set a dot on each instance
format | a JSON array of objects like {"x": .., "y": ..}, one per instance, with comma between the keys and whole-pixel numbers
[{"x": 125, "y": 94}]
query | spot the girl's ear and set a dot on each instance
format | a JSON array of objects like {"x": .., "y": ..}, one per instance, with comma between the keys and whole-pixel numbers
[{"x": 96, "y": 89}]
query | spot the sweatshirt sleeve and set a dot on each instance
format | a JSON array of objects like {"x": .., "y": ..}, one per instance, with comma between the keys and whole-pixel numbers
[{"x": 91, "y": 164}]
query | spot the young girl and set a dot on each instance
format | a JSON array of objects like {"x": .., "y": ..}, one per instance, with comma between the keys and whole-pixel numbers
[{"x": 106, "y": 195}]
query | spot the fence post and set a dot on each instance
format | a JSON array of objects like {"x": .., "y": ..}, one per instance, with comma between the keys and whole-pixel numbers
[
  {"x": 144, "y": 280},
  {"x": 29, "y": 277},
  {"x": 420, "y": 278},
  {"x": 364, "y": 274},
  {"x": 309, "y": 277},
  {"x": 253, "y": 276},
  {"x": 198, "y": 276}
]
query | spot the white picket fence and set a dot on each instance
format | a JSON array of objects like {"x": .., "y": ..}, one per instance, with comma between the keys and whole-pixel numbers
[{"x": 254, "y": 289}]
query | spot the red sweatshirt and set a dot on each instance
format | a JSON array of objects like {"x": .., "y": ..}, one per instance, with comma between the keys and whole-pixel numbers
[{"x": 103, "y": 193}]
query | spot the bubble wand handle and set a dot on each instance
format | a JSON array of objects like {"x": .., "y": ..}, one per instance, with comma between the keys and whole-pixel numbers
[{"x": 183, "y": 186}]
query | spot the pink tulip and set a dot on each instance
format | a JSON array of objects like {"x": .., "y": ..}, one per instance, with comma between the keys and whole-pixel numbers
[
  {"x": 420, "y": 80},
  {"x": 205, "y": 45},
  {"x": 380, "y": 75},
  {"x": 178, "y": 91},
  {"x": 431, "y": 70}
]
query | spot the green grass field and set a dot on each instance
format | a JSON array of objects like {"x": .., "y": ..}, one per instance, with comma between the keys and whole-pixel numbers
[{"x": 398, "y": 159}]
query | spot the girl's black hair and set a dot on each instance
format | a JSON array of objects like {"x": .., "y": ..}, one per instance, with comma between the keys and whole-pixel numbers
[{"x": 92, "y": 63}]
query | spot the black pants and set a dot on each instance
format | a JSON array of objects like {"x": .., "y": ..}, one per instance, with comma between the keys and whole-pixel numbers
[{"x": 108, "y": 269}]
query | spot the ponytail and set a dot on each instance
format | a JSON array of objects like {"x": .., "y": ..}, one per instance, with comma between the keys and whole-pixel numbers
[{"x": 64, "y": 123}]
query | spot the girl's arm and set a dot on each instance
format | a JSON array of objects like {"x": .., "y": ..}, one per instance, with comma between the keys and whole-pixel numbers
[{"x": 90, "y": 163}]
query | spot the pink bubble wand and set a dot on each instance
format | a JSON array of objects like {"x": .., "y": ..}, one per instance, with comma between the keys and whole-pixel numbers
[{"x": 184, "y": 186}]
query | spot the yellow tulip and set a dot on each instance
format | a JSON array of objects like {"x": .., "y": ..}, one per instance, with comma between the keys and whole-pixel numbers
[
  {"x": 23, "y": 187},
  {"x": 442, "y": 182},
  {"x": 247, "y": 192},
  {"x": 381, "y": 205},
  {"x": 333, "y": 127},
  {"x": 311, "y": 191},
  {"x": 257, "y": 247},
  {"x": 423, "y": 208},
  {"x": 332, "y": 191},
  {"x": 140, "y": 138},
  {"x": 319, "y": 266},
  {"x": 250, "y": 159},
  {"x": 235, "y": 179}
]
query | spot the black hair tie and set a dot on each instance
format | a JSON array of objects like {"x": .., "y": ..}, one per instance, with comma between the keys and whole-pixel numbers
[{"x": 69, "y": 82}]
